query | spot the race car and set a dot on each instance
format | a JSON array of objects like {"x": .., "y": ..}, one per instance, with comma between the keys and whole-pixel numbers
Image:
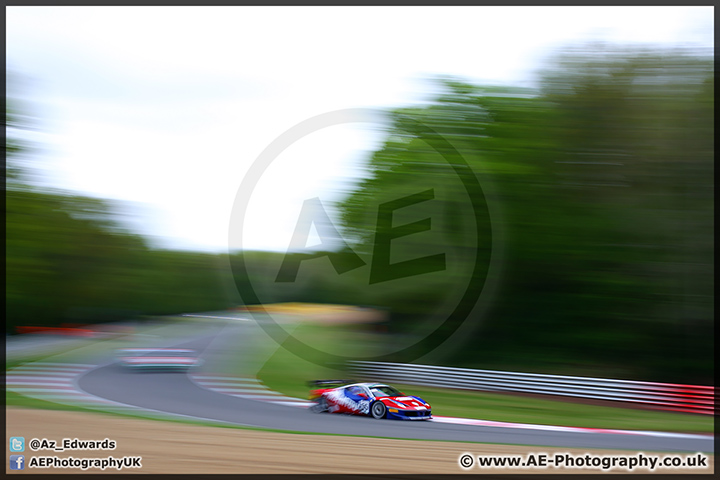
[
  {"x": 372, "y": 399},
  {"x": 158, "y": 359}
]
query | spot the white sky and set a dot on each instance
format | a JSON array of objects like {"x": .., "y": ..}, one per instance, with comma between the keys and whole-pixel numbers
[{"x": 167, "y": 107}]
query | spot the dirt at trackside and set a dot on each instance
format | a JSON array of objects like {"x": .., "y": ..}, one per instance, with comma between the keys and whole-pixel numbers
[
  {"x": 324, "y": 314},
  {"x": 167, "y": 447}
]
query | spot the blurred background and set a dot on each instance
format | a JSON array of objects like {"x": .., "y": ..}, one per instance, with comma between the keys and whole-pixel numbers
[{"x": 591, "y": 131}]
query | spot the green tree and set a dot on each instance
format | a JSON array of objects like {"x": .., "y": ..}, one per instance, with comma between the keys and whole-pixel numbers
[
  {"x": 602, "y": 179},
  {"x": 69, "y": 258}
]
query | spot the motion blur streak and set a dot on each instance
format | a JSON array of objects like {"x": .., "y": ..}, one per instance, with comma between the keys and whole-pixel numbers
[{"x": 603, "y": 176}]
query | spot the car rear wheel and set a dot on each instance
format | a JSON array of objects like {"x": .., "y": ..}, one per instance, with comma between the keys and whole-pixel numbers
[
  {"x": 378, "y": 410},
  {"x": 321, "y": 405}
]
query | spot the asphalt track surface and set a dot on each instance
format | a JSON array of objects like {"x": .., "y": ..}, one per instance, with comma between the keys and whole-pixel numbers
[{"x": 176, "y": 393}]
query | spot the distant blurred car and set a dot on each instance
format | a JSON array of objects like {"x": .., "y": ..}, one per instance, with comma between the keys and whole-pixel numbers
[
  {"x": 158, "y": 359},
  {"x": 371, "y": 399}
]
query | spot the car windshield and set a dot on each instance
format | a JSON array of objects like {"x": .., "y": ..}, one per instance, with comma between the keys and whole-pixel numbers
[
  {"x": 156, "y": 352},
  {"x": 171, "y": 353},
  {"x": 384, "y": 391}
]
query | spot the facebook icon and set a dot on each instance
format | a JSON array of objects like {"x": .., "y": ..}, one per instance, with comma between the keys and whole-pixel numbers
[{"x": 17, "y": 462}]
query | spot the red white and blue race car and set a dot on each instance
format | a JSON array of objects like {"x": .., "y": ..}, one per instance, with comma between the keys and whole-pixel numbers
[{"x": 372, "y": 399}]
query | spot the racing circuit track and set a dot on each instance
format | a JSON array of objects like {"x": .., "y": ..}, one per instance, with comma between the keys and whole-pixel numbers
[{"x": 176, "y": 393}]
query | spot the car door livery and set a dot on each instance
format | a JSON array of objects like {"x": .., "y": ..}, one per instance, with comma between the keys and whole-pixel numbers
[{"x": 351, "y": 399}]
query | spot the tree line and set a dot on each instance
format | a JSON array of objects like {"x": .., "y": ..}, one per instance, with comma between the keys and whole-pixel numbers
[{"x": 593, "y": 224}]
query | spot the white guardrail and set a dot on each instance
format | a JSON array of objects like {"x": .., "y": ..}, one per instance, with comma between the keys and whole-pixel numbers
[{"x": 665, "y": 396}]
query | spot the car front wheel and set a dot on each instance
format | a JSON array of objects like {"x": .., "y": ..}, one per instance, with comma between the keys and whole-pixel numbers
[{"x": 378, "y": 410}]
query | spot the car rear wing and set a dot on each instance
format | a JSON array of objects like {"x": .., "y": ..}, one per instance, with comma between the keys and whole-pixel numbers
[{"x": 328, "y": 383}]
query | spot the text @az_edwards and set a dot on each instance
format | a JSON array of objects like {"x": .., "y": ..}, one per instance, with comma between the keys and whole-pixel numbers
[{"x": 71, "y": 444}]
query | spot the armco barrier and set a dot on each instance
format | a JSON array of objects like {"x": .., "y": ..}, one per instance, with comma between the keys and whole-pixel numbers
[
  {"x": 665, "y": 396},
  {"x": 72, "y": 331}
]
